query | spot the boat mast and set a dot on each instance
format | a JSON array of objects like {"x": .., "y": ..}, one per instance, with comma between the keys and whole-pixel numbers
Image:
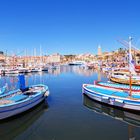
[
  {"x": 40, "y": 54},
  {"x": 130, "y": 61},
  {"x": 34, "y": 57}
]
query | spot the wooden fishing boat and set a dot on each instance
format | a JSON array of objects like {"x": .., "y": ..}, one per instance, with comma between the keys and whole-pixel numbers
[
  {"x": 20, "y": 100},
  {"x": 113, "y": 97},
  {"x": 125, "y": 79},
  {"x": 110, "y": 85}
]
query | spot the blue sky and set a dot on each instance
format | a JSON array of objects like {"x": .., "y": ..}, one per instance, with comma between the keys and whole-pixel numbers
[{"x": 67, "y": 26}]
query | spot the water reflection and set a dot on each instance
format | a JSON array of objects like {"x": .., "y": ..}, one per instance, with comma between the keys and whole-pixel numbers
[
  {"x": 132, "y": 119},
  {"x": 12, "y": 127},
  {"x": 36, "y": 78},
  {"x": 127, "y": 117},
  {"x": 80, "y": 70}
]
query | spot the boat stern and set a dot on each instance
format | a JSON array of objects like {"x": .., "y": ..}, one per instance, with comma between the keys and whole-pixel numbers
[{"x": 46, "y": 94}]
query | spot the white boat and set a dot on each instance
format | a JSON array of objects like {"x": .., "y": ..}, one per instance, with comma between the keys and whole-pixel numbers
[
  {"x": 124, "y": 79},
  {"x": 18, "y": 101},
  {"x": 77, "y": 63},
  {"x": 36, "y": 70},
  {"x": 113, "y": 97},
  {"x": 23, "y": 70},
  {"x": 11, "y": 71}
]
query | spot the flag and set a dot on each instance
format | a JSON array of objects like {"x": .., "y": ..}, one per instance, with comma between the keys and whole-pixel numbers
[{"x": 131, "y": 65}]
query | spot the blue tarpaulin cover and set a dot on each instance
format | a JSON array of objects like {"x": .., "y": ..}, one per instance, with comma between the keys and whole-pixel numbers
[{"x": 22, "y": 84}]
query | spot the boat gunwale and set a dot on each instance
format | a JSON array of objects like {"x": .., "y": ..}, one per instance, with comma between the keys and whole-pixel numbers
[{"x": 116, "y": 88}]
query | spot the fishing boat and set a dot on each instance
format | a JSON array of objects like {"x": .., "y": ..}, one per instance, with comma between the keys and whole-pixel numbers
[
  {"x": 128, "y": 100},
  {"x": 113, "y": 97},
  {"x": 124, "y": 79},
  {"x": 23, "y": 70},
  {"x": 122, "y": 75},
  {"x": 23, "y": 99},
  {"x": 117, "y": 86}
]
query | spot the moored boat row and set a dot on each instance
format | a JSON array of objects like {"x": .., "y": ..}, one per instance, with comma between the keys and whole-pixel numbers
[{"x": 19, "y": 70}]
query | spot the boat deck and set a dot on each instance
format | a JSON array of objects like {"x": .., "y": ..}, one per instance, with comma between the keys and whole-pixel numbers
[{"x": 19, "y": 95}]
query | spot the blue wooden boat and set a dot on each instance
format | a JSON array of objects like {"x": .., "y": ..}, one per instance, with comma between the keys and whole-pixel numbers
[
  {"x": 20, "y": 100},
  {"x": 113, "y": 97}
]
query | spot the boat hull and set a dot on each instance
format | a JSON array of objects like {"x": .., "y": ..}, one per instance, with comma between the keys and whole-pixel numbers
[
  {"x": 6, "y": 112},
  {"x": 112, "y": 100}
]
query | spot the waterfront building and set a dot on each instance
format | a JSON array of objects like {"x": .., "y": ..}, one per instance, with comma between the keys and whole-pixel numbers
[
  {"x": 54, "y": 58},
  {"x": 87, "y": 57}
]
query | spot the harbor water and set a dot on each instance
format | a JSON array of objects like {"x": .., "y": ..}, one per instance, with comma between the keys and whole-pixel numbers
[{"x": 67, "y": 114}]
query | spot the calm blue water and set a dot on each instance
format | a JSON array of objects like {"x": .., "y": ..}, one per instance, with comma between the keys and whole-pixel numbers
[{"x": 67, "y": 114}]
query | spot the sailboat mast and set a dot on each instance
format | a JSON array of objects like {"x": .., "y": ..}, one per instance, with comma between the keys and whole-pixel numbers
[
  {"x": 130, "y": 59},
  {"x": 34, "y": 57},
  {"x": 40, "y": 54}
]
